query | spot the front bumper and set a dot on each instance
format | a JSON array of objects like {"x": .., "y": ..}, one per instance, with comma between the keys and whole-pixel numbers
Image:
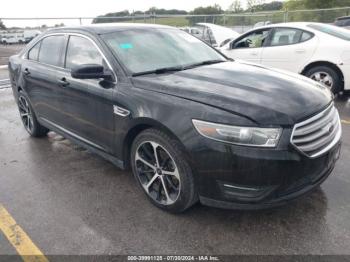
[{"x": 239, "y": 177}]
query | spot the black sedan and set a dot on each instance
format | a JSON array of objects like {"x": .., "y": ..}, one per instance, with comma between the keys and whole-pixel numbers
[{"x": 190, "y": 123}]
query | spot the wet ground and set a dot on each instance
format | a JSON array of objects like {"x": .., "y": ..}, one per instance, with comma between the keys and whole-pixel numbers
[{"x": 70, "y": 201}]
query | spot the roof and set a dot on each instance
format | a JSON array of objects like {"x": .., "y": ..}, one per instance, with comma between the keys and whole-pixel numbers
[
  {"x": 104, "y": 28},
  {"x": 302, "y": 25}
]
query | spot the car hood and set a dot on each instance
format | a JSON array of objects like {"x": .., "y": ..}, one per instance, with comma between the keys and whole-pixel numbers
[{"x": 265, "y": 96}]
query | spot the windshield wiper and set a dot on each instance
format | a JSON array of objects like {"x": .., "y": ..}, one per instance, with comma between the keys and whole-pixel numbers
[
  {"x": 160, "y": 70},
  {"x": 207, "y": 62},
  {"x": 178, "y": 68}
]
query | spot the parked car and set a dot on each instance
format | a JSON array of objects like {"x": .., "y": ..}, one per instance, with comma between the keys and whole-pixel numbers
[
  {"x": 192, "y": 124},
  {"x": 12, "y": 38},
  {"x": 343, "y": 21},
  {"x": 262, "y": 23},
  {"x": 318, "y": 51},
  {"x": 29, "y": 35},
  {"x": 193, "y": 31},
  {"x": 217, "y": 35}
]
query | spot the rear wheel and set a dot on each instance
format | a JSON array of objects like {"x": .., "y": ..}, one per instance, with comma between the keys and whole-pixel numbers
[
  {"x": 162, "y": 171},
  {"x": 326, "y": 76},
  {"x": 28, "y": 117}
]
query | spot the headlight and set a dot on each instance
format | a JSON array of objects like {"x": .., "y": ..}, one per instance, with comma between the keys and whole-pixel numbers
[{"x": 240, "y": 135}]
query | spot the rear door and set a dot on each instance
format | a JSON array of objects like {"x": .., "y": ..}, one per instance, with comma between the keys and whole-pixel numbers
[
  {"x": 289, "y": 49},
  {"x": 40, "y": 69},
  {"x": 249, "y": 47}
]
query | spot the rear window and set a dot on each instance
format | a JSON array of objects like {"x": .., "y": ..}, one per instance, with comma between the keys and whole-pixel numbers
[
  {"x": 305, "y": 36},
  {"x": 332, "y": 30},
  {"x": 339, "y": 22},
  {"x": 343, "y": 21},
  {"x": 50, "y": 50}
]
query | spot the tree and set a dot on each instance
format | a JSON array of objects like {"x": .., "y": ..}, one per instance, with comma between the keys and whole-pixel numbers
[
  {"x": 235, "y": 7},
  {"x": 125, "y": 16},
  {"x": 2, "y": 25},
  {"x": 205, "y": 11},
  {"x": 166, "y": 11},
  {"x": 209, "y": 10},
  {"x": 273, "y": 6},
  {"x": 323, "y": 16},
  {"x": 314, "y": 4},
  {"x": 110, "y": 17},
  {"x": 252, "y": 3}
]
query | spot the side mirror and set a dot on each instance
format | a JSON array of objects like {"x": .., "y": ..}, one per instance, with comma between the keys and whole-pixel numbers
[{"x": 90, "y": 71}]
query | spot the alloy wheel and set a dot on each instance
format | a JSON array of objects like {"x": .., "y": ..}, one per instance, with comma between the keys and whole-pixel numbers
[
  {"x": 157, "y": 172},
  {"x": 323, "y": 78},
  {"x": 26, "y": 114}
]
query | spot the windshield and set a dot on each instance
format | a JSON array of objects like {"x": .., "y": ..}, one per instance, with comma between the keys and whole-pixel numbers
[
  {"x": 144, "y": 50},
  {"x": 332, "y": 30}
]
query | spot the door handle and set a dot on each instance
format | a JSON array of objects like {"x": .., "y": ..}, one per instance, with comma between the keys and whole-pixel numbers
[
  {"x": 300, "y": 51},
  {"x": 63, "y": 82},
  {"x": 26, "y": 72},
  {"x": 254, "y": 53}
]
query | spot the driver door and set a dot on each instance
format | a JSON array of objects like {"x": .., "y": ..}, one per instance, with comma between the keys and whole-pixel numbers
[
  {"x": 86, "y": 104},
  {"x": 249, "y": 47}
]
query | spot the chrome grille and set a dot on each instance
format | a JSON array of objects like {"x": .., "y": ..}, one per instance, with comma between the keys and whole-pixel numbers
[{"x": 317, "y": 134}]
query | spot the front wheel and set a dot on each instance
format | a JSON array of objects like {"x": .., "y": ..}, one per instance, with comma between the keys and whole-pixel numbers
[
  {"x": 161, "y": 170},
  {"x": 326, "y": 76}
]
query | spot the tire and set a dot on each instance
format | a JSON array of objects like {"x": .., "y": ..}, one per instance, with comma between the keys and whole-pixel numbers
[
  {"x": 173, "y": 171},
  {"x": 28, "y": 117},
  {"x": 321, "y": 72}
]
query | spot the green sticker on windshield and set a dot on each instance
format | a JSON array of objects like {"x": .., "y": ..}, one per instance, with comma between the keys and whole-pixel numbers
[{"x": 125, "y": 46}]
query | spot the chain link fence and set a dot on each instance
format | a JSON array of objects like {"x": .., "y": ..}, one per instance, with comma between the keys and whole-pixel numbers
[
  {"x": 241, "y": 22},
  {"x": 22, "y": 30}
]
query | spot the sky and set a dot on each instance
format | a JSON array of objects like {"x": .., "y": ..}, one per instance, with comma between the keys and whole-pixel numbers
[
  {"x": 88, "y": 8},
  {"x": 64, "y": 8}
]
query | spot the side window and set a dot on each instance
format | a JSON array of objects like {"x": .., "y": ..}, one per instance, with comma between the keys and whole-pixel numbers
[
  {"x": 81, "y": 51},
  {"x": 34, "y": 52},
  {"x": 253, "y": 40},
  {"x": 50, "y": 50},
  {"x": 285, "y": 36},
  {"x": 305, "y": 36}
]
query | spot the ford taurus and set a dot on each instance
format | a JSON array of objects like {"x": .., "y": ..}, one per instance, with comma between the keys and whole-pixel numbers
[{"x": 191, "y": 124}]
